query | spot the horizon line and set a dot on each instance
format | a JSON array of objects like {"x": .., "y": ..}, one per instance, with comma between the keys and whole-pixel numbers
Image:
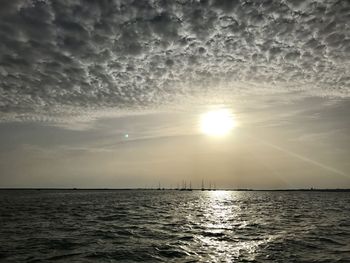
[{"x": 178, "y": 189}]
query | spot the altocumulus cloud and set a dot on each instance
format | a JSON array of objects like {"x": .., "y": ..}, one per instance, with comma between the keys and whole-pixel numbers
[{"x": 69, "y": 57}]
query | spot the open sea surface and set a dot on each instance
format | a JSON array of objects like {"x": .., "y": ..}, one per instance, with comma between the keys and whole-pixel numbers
[{"x": 174, "y": 226}]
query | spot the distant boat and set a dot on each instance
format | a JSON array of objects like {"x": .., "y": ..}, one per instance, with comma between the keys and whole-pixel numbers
[
  {"x": 184, "y": 186},
  {"x": 190, "y": 189}
]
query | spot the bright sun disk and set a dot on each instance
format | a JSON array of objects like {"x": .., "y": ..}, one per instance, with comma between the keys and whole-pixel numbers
[{"x": 217, "y": 122}]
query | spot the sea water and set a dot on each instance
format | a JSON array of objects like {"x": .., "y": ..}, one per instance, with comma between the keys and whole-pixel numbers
[{"x": 174, "y": 226}]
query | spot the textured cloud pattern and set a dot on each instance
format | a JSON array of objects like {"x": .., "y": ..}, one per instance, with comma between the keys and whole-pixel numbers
[{"x": 60, "y": 57}]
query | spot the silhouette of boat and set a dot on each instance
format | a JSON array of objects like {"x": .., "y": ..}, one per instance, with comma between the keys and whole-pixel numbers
[{"x": 184, "y": 187}]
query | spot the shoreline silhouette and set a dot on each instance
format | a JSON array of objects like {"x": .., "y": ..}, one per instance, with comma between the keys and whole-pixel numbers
[{"x": 175, "y": 189}]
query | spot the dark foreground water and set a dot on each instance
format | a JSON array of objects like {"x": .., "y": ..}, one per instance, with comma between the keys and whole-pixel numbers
[{"x": 174, "y": 226}]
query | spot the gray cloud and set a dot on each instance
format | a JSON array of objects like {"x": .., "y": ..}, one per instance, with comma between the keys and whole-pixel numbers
[{"x": 61, "y": 58}]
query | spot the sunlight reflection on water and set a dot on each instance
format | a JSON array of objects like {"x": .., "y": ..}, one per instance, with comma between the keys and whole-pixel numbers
[{"x": 221, "y": 212}]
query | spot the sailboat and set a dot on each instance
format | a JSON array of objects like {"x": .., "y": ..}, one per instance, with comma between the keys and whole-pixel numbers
[
  {"x": 184, "y": 186},
  {"x": 190, "y": 189}
]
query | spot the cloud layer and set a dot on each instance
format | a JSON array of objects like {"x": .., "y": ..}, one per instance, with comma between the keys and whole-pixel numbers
[{"x": 69, "y": 56}]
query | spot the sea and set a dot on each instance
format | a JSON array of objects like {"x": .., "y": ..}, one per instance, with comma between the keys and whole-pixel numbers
[{"x": 174, "y": 226}]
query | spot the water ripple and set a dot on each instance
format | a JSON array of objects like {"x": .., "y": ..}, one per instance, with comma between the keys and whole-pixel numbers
[{"x": 174, "y": 226}]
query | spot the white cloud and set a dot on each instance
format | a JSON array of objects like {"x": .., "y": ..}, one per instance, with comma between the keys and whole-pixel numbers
[{"x": 70, "y": 58}]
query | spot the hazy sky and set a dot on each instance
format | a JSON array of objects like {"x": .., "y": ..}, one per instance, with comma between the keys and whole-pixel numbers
[{"x": 110, "y": 93}]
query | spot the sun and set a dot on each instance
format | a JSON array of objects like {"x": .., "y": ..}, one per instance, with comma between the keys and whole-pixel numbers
[{"x": 217, "y": 122}]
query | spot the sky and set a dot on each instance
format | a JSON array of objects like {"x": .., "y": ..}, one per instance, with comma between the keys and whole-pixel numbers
[{"x": 111, "y": 93}]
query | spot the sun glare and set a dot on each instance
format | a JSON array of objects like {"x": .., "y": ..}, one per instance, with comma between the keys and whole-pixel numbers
[{"x": 217, "y": 122}]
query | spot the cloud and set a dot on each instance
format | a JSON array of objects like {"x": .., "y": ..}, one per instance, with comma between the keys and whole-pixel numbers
[{"x": 64, "y": 58}]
